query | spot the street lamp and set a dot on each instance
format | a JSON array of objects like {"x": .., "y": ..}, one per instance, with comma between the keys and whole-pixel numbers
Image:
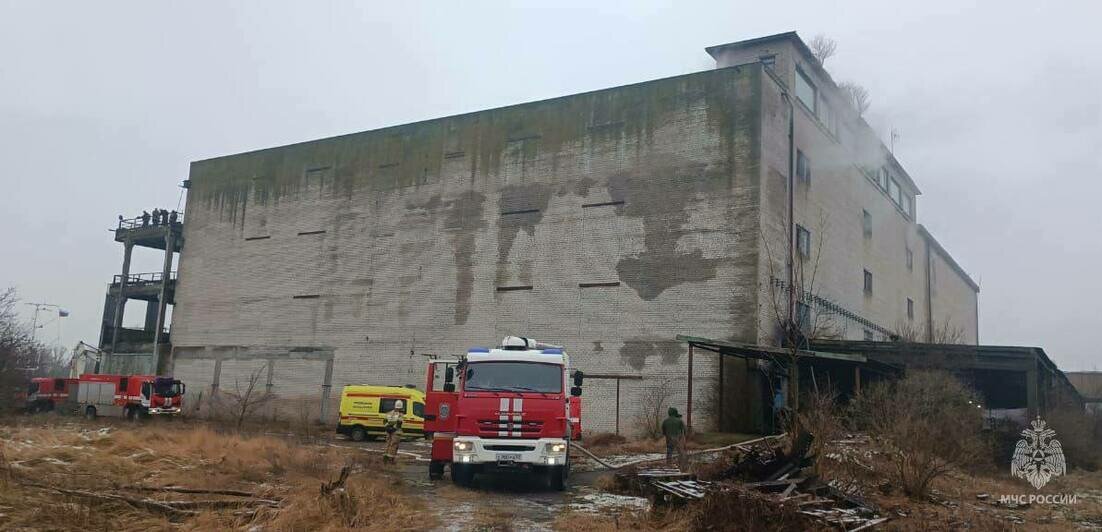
[{"x": 39, "y": 307}]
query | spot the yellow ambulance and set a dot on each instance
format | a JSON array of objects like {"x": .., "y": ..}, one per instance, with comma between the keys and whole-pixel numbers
[{"x": 364, "y": 408}]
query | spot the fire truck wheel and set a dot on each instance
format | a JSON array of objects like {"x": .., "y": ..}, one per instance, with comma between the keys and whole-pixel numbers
[
  {"x": 359, "y": 434},
  {"x": 559, "y": 476},
  {"x": 436, "y": 470},
  {"x": 462, "y": 475},
  {"x": 90, "y": 412}
]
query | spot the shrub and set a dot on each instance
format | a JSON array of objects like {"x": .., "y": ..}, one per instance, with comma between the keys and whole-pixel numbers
[
  {"x": 930, "y": 423},
  {"x": 652, "y": 409},
  {"x": 1080, "y": 435},
  {"x": 822, "y": 417}
]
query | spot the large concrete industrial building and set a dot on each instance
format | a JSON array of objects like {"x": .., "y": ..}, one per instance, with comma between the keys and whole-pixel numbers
[{"x": 609, "y": 222}]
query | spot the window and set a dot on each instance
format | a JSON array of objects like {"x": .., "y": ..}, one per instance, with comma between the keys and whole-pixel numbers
[
  {"x": 910, "y": 309},
  {"x": 768, "y": 61},
  {"x": 386, "y": 404},
  {"x": 805, "y": 91},
  {"x": 866, "y": 223},
  {"x": 868, "y": 283},
  {"x": 826, "y": 116},
  {"x": 803, "y": 167},
  {"x": 145, "y": 389},
  {"x": 869, "y": 336},
  {"x": 908, "y": 205},
  {"x": 803, "y": 241},
  {"x": 124, "y": 385},
  {"x": 882, "y": 178},
  {"x": 910, "y": 259},
  {"x": 419, "y": 409},
  {"x": 893, "y": 191},
  {"x": 59, "y": 385},
  {"x": 803, "y": 316}
]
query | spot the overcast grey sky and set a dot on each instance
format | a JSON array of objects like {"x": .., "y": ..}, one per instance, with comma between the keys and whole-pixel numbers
[{"x": 104, "y": 104}]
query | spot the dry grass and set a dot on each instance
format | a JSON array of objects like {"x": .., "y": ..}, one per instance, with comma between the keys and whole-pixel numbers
[
  {"x": 120, "y": 459},
  {"x": 587, "y": 522}
]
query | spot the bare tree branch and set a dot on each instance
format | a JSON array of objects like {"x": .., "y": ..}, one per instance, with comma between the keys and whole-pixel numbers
[
  {"x": 243, "y": 402},
  {"x": 858, "y": 96},
  {"x": 822, "y": 47}
]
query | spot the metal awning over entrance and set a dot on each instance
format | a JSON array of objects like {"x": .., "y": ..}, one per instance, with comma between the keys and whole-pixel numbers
[{"x": 780, "y": 358}]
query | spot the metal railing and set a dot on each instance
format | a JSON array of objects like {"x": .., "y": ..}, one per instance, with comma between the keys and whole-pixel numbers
[
  {"x": 143, "y": 278},
  {"x": 139, "y": 222}
]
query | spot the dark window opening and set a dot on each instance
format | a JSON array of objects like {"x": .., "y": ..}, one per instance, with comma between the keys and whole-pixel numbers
[
  {"x": 306, "y": 296},
  {"x": 868, "y": 283},
  {"x": 803, "y": 316},
  {"x": 869, "y": 336},
  {"x": 419, "y": 409},
  {"x": 59, "y": 385},
  {"x": 910, "y": 309},
  {"x": 124, "y": 384},
  {"x": 522, "y": 211},
  {"x": 602, "y": 204},
  {"x": 866, "y": 223},
  {"x": 803, "y": 167},
  {"x": 302, "y": 233},
  {"x": 513, "y": 288},
  {"x": 910, "y": 259},
  {"x": 769, "y": 61},
  {"x": 599, "y": 285},
  {"x": 258, "y": 237},
  {"x": 803, "y": 241}
]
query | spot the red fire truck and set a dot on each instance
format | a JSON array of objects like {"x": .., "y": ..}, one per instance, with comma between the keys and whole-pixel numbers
[
  {"x": 508, "y": 408},
  {"x": 45, "y": 393},
  {"x": 129, "y": 396}
]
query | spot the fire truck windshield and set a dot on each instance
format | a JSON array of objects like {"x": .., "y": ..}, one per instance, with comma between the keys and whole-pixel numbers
[
  {"x": 513, "y": 377},
  {"x": 167, "y": 388}
]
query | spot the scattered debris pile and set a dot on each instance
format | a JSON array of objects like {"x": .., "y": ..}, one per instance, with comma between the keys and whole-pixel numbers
[{"x": 774, "y": 470}]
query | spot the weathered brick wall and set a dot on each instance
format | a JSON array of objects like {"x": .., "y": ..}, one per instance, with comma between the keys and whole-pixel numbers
[{"x": 374, "y": 248}]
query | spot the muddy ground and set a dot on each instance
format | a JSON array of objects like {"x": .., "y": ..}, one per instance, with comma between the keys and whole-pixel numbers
[{"x": 502, "y": 501}]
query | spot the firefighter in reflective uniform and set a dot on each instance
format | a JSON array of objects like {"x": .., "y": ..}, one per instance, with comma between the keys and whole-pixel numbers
[{"x": 393, "y": 428}]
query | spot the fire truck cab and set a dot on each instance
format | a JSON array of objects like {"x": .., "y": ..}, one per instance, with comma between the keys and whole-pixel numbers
[
  {"x": 507, "y": 408},
  {"x": 45, "y": 393},
  {"x": 129, "y": 396}
]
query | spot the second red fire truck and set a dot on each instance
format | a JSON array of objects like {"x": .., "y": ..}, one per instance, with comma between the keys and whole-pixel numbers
[{"x": 129, "y": 396}]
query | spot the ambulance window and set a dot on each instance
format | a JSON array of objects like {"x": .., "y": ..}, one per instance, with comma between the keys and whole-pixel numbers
[
  {"x": 386, "y": 404},
  {"x": 145, "y": 389},
  {"x": 419, "y": 409}
]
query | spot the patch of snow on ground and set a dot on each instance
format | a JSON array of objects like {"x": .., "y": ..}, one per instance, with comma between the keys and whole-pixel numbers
[{"x": 599, "y": 502}]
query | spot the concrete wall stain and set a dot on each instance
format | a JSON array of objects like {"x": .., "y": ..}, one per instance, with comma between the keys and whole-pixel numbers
[
  {"x": 663, "y": 200},
  {"x": 635, "y": 352}
]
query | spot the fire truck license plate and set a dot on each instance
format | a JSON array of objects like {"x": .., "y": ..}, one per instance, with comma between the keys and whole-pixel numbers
[{"x": 508, "y": 457}]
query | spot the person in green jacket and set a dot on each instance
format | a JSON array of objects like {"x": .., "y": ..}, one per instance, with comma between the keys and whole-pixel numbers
[{"x": 673, "y": 428}]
